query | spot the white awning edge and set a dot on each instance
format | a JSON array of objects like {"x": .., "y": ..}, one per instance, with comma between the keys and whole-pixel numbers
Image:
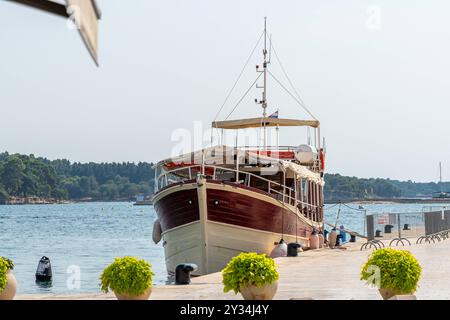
[{"x": 304, "y": 173}]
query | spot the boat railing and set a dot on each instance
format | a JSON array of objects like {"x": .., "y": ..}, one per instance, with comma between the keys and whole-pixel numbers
[
  {"x": 269, "y": 148},
  {"x": 279, "y": 191},
  {"x": 314, "y": 166}
]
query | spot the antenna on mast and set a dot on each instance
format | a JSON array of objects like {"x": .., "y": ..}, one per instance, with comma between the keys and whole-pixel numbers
[{"x": 263, "y": 102}]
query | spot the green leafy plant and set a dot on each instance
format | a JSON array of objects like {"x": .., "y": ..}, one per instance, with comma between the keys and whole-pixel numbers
[
  {"x": 399, "y": 270},
  {"x": 127, "y": 275},
  {"x": 249, "y": 269},
  {"x": 5, "y": 264}
]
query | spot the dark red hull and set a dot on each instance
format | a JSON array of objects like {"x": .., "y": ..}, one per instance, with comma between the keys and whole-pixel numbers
[{"x": 233, "y": 208}]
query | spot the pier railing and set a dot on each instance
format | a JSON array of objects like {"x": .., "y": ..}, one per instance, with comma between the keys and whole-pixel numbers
[{"x": 431, "y": 225}]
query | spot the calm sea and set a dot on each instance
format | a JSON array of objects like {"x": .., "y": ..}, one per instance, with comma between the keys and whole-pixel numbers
[{"x": 86, "y": 238}]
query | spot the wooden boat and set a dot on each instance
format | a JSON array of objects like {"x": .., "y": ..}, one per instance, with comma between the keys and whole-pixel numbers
[{"x": 215, "y": 203}]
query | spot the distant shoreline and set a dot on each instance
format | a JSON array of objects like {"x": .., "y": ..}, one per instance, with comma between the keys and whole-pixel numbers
[
  {"x": 389, "y": 200},
  {"x": 23, "y": 202}
]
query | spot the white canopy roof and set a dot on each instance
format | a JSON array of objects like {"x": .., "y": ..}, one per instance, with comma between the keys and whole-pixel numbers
[{"x": 259, "y": 122}]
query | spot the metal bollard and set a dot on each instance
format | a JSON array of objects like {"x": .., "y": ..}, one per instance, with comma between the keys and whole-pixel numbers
[
  {"x": 292, "y": 249},
  {"x": 183, "y": 273}
]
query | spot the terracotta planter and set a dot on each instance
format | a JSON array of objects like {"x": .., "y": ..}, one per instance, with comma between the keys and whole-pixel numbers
[
  {"x": 265, "y": 292},
  {"x": 389, "y": 293},
  {"x": 125, "y": 296},
  {"x": 11, "y": 286}
]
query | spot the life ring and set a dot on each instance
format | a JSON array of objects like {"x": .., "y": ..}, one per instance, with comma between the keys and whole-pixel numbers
[{"x": 157, "y": 231}]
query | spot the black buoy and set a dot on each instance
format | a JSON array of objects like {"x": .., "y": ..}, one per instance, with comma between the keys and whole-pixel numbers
[
  {"x": 183, "y": 273},
  {"x": 406, "y": 226},
  {"x": 378, "y": 234},
  {"x": 44, "y": 270},
  {"x": 352, "y": 238},
  {"x": 292, "y": 249}
]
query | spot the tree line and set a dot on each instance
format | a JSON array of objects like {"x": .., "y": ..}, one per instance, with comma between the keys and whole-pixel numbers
[
  {"x": 339, "y": 187},
  {"x": 27, "y": 176}
]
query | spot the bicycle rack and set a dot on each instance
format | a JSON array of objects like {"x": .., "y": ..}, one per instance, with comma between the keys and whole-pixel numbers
[
  {"x": 403, "y": 241},
  {"x": 377, "y": 244},
  {"x": 432, "y": 238}
]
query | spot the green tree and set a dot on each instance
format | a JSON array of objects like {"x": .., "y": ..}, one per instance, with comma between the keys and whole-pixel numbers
[
  {"x": 12, "y": 174},
  {"x": 4, "y": 196}
]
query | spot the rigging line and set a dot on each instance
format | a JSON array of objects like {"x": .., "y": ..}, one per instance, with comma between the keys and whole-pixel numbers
[
  {"x": 353, "y": 208},
  {"x": 245, "y": 94},
  {"x": 287, "y": 77},
  {"x": 337, "y": 216},
  {"x": 296, "y": 223},
  {"x": 293, "y": 97},
  {"x": 332, "y": 206},
  {"x": 239, "y": 77}
]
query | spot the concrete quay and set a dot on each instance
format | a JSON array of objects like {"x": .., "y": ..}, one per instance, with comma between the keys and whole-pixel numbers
[{"x": 319, "y": 274}]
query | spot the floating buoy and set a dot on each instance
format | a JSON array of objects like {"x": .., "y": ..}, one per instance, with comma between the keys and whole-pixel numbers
[
  {"x": 157, "y": 232},
  {"x": 44, "y": 270},
  {"x": 280, "y": 250}
]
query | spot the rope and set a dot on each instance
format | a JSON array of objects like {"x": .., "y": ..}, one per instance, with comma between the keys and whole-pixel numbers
[
  {"x": 239, "y": 77},
  {"x": 292, "y": 96},
  {"x": 303, "y": 104},
  {"x": 287, "y": 77},
  {"x": 348, "y": 231},
  {"x": 245, "y": 94},
  {"x": 334, "y": 205},
  {"x": 337, "y": 216},
  {"x": 353, "y": 208}
]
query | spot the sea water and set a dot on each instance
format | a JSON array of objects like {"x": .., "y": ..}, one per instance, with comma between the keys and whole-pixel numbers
[{"x": 82, "y": 239}]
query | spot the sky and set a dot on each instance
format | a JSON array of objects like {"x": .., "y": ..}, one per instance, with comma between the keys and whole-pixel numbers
[{"x": 375, "y": 73}]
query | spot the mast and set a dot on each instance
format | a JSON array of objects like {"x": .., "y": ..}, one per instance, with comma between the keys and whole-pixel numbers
[
  {"x": 263, "y": 102},
  {"x": 440, "y": 175},
  {"x": 264, "y": 105}
]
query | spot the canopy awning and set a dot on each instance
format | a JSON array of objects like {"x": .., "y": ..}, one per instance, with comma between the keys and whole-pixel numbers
[
  {"x": 303, "y": 172},
  {"x": 268, "y": 122}
]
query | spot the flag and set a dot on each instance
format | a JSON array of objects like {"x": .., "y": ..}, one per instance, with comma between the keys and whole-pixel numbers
[{"x": 274, "y": 115}]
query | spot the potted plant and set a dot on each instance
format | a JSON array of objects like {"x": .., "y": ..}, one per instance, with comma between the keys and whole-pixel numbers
[
  {"x": 129, "y": 278},
  {"x": 394, "y": 272},
  {"x": 8, "y": 283},
  {"x": 253, "y": 275}
]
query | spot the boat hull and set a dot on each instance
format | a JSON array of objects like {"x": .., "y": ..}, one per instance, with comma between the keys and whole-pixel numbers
[{"x": 210, "y": 222}]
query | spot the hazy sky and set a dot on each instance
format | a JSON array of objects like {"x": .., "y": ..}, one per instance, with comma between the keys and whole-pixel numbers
[{"x": 375, "y": 73}]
